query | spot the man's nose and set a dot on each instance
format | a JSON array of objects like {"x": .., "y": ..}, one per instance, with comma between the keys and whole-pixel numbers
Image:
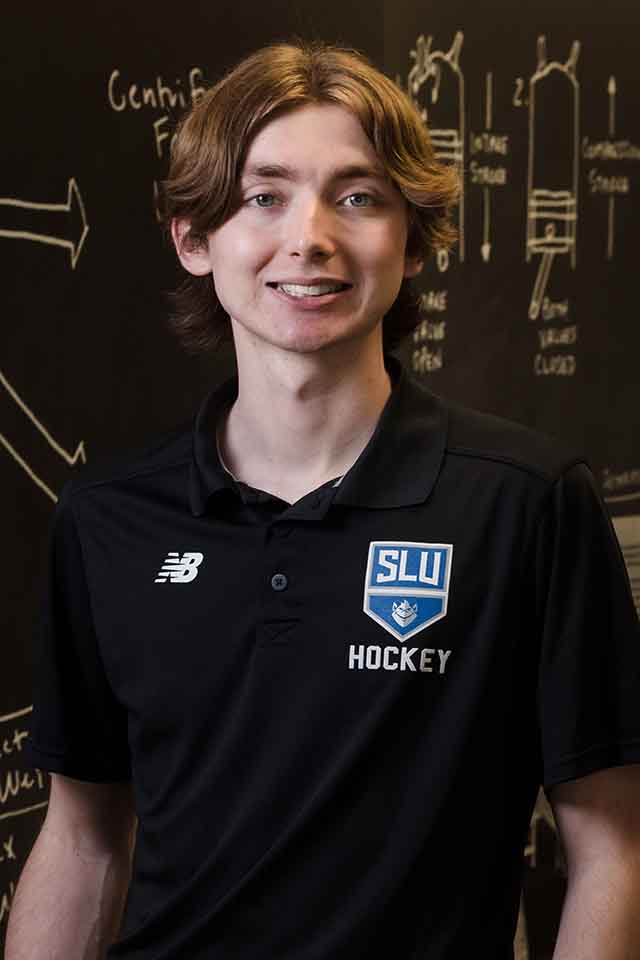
[{"x": 311, "y": 229}]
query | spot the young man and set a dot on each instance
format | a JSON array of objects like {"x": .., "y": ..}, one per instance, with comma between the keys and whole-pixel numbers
[{"x": 326, "y": 645}]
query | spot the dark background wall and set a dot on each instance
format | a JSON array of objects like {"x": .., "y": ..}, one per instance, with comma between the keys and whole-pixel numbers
[{"x": 534, "y": 317}]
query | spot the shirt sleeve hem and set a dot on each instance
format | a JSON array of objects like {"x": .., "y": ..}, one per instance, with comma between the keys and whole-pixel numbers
[
  {"x": 74, "y": 767},
  {"x": 589, "y": 761}
]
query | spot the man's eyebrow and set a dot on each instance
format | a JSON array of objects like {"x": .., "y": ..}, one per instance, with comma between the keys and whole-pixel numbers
[{"x": 280, "y": 171}]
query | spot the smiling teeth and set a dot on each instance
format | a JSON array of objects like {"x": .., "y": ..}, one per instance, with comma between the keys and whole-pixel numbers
[{"x": 297, "y": 290}]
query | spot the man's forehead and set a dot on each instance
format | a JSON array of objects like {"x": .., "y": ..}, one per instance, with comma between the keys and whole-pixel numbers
[
  {"x": 292, "y": 146},
  {"x": 265, "y": 169}
]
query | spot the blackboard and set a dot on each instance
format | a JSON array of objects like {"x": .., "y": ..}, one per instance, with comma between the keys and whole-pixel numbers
[{"x": 532, "y": 316}]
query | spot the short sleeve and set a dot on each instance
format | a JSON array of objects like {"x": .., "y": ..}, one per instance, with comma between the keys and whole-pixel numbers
[
  {"x": 589, "y": 669},
  {"x": 79, "y": 728}
]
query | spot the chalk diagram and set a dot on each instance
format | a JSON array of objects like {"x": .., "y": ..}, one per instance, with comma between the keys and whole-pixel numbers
[
  {"x": 552, "y": 176},
  {"x": 56, "y": 224},
  {"x": 435, "y": 84},
  {"x": 49, "y": 223},
  {"x": 70, "y": 458}
]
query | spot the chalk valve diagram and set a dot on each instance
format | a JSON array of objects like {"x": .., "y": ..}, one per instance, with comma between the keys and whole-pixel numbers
[
  {"x": 552, "y": 176},
  {"x": 435, "y": 84}
]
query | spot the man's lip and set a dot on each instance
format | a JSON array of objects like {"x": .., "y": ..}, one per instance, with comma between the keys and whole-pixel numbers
[
  {"x": 314, "y": 281},
  {"x": 307, "y": 302}
]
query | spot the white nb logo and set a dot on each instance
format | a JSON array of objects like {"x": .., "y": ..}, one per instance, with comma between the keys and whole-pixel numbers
[{"x": 179, "y": 569}]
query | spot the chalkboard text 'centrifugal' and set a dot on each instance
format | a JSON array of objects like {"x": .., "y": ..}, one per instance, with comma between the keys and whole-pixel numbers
[{"x": 158, "y": 95}]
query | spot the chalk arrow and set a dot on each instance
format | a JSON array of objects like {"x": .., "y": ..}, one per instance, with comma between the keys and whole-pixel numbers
[
  {"x": 70, "y": 458},
  {"x": 59, "y": 224},
  {"x": 485, "y": 248},
  {"x": 611, "y": 89}
]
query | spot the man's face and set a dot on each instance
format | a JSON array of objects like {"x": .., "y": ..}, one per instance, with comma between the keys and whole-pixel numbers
[{"x": 309, "y": 222}]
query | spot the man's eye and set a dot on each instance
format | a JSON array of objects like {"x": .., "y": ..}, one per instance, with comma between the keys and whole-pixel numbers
[
  {"x": 262, "y": 196},
  {"x": 367, "y": 196}
]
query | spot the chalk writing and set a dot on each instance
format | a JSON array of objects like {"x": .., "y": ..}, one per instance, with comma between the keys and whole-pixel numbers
[
  {"x": 7, "y": 852},
  {"x": 557, "y": 336},
  {"x": 558, "y": 365},
  {"x": 609, "y": 150},
  {"x": 487, "y": 142},
  {"x": 598, "y": 183},
  {"x": 158, "y": 95},
  {"x": 429, "y": 330},
  {"x": 13, "y": 743},
  {"x": 554, "y": 309},
  {"x": 15, "y": 782},
  {"x": 426, "y": 360},
  {"x": 487, "y": 176},
  {"x": 6, "y": 900},
  {"x": 433, "y": 301}
]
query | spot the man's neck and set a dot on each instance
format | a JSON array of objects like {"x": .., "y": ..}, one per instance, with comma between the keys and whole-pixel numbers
[{"x": 296, "y": 425}]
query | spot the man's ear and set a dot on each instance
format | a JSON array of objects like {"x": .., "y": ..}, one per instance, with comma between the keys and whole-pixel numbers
[
  {"x": 194, "y": 257},
  {"x": 413, "y": 266}
]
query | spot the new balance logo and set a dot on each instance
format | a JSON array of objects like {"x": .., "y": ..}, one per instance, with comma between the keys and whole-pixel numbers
[{"x": 179, "y": 569}]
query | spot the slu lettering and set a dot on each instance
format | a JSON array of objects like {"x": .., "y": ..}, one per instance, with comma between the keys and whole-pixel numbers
[
  {"x": 428, "y": 571},
  {"x": 372, "y": 657},
  {"x": 179, "y": 569}
]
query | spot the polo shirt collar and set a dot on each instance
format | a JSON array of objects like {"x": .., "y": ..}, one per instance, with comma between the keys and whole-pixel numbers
[{"x": 398, "y": 467}]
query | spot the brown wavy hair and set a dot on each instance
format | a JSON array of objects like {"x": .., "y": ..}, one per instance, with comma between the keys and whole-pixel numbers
[{"x": 212, "y": 139}]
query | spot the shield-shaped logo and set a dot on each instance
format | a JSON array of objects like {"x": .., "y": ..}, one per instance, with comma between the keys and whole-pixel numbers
[{"x": 407, "y": 585}]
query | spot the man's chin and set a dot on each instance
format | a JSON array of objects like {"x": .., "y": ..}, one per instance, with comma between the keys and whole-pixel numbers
[{"x": 309, "y": 337}]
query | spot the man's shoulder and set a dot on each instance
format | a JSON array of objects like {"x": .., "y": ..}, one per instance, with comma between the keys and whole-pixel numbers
[
  {"x": 157, "y": 462},
  {"x": 486, "y": 437}
]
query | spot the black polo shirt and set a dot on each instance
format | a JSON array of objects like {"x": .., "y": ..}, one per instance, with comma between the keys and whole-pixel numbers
[{"x": 337, "y": 713}]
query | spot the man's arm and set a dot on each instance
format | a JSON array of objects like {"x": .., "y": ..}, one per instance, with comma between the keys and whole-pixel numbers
[
  {"x": 69, "y": 901},
  {"x": 598, "y": 818}
]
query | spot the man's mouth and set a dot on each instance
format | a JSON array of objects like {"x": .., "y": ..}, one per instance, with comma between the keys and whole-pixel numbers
[{"x": 312, "y": 290}]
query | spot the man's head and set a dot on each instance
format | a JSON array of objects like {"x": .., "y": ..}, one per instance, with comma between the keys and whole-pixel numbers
[{"x": 245, "y": 110}]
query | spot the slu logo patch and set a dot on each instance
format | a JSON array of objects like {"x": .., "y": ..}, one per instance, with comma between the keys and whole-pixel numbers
[
  {"x": 179, "y": 569},
  {"x": 407, "y": 585}
]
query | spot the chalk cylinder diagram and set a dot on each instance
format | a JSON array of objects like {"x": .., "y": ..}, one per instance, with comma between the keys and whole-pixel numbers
[
  {"x": 436, "y": 86},
  {"x": 552, "y": 177}
]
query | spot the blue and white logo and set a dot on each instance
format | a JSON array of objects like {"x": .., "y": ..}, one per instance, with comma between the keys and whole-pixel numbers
[{"x": 407, "y": 585}]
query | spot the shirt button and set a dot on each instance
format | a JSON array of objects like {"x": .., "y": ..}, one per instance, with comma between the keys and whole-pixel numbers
[{"x": 279, "y": 581}]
